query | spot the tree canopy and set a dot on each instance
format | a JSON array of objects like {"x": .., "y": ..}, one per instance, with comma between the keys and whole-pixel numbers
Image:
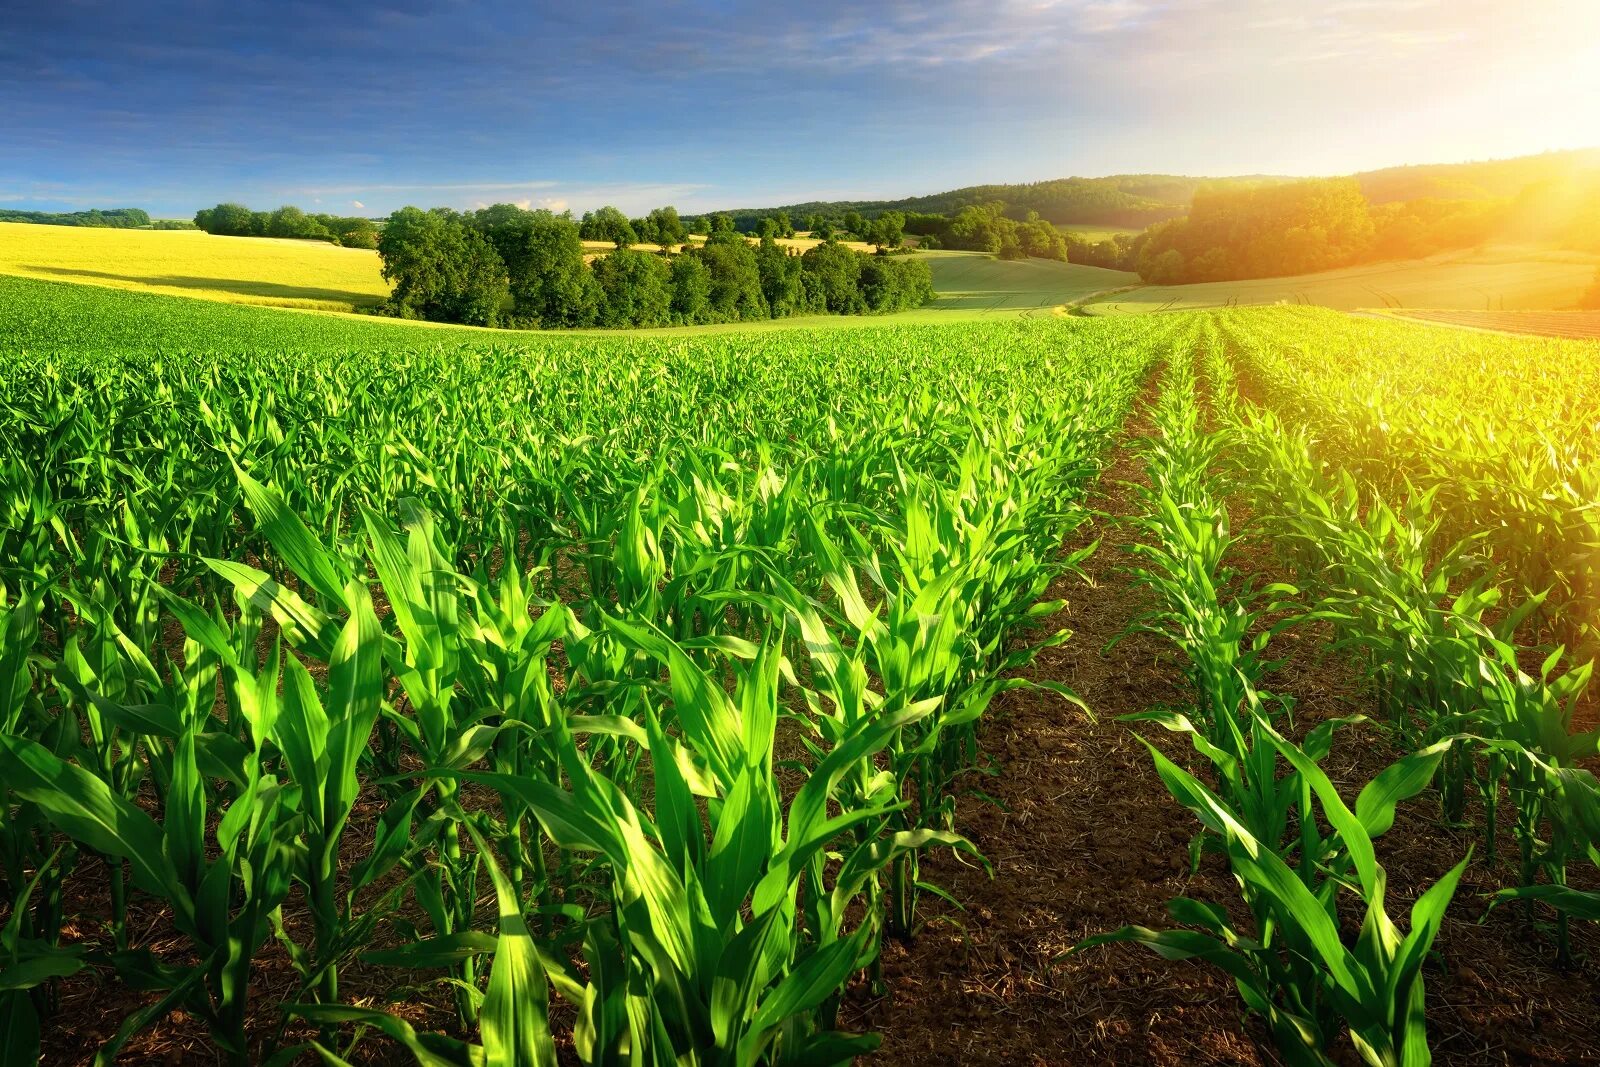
[
  {"x": 507, "y": 265},
  {"x": 236, "y": 220},
  {"x": 121, "y": 218},
  {"x": 442, "y": 269},
  {"x": 607, "y": 224}
]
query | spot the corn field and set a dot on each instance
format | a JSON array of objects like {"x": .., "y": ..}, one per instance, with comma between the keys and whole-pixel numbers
[{"x": 612, "y": 694}]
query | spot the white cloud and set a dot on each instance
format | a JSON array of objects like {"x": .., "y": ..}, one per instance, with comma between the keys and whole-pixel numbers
[{"x": 357, "y": 204}]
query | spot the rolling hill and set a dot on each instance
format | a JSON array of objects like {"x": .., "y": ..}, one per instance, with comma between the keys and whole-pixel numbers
[{"x": 1134, "y": 201}]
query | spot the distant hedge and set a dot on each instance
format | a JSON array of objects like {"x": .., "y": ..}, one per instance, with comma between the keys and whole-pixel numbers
[
  {"x": 236, "y": 220},
  {"x": 121, "y": 218}
]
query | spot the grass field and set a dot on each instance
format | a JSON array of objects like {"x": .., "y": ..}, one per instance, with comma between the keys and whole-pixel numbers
[
  {"x": 974, "y": 282},
  {"x": 1509, "y": 278},
  {"x": 1091, "y": 231}
]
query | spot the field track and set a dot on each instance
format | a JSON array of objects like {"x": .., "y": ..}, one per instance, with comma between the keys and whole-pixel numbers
[{"x": 1578, "y": 325}]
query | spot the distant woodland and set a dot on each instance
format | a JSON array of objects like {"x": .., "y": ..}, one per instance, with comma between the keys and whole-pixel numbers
[
  {"x": 1236, "y": 228},
  {"x": 508, "y": 266},
  {"x": 121, "y": 218}
]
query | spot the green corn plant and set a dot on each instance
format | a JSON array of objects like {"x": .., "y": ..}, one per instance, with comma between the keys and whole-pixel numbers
[
  {"x": 224, "y": 905},
  {"x": 319, "y": 739},
  {"x": 1430, "y": 616},
  {"x": 1294, "y": 968},
  {"x": 706, "y": 962}
]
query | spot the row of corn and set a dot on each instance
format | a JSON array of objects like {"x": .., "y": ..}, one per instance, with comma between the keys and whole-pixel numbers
[
  {"x": 1303, "y": 858},
  {"x": 1466, "y": 672},
  {"x": 1436, "y": 607}
]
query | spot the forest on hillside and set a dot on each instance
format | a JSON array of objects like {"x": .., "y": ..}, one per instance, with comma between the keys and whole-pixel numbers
[{"x": 1135, "y": 201}]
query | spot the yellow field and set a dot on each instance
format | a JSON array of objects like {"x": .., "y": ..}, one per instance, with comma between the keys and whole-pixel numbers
[{"x": 239, "y": 270}]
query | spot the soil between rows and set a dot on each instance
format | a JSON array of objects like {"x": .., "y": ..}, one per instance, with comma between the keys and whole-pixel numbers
[{"x": 1086, "y": 839}]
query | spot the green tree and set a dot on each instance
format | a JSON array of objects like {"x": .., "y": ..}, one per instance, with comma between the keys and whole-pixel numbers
[
  {"x": 895, "y": 283},
  {"x": 887, "y": 230},
  {"x": 442, "y": 269},
  {"x": 780, "y": 278},
  {"x": 670, "y": 231},
  {"x": 226, "y": 220},
  {"x": 290, "y": 221},
  {"x": 607, "y": 224},
  {"x": 356, "y": 233},
  {"x": 635, "y": 289},
  {"x": 691, "y": 290},
  {"x": 543, "y": 253},
  {"x": 1261, "y": 231},
  {"x": 735, "y": 293},
  {"x": 1040, "y": 239},
  {"x": 981, "y": 228},
  {"x": 834, "y": 273},
  {"x": 644, "y": 231},
  {"x": 367, "y": 238}
]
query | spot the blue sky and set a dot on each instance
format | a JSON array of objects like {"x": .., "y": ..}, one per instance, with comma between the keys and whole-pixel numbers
[{"x": 366, "y": 107}]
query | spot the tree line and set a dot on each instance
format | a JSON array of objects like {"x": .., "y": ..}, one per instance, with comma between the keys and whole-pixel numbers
[
  {"x": 236, "y": 220},
  {"x": 506, "y": 265},
  {"x": 121, "y": 218},
  {"x": 1131, "y": 201},
  {"x": 993, "y": 228},
  {"x": 1301, "y": 227}
]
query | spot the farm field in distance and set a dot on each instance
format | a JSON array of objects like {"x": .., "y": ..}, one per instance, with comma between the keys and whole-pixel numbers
[
  {"x": 1511, "y": 278},
  {"x": 312, "y": 275},
  {"x": 243, "y": 270},
  {"x": 563, "y": 615},
  {"x": 1578, "y": 325}
]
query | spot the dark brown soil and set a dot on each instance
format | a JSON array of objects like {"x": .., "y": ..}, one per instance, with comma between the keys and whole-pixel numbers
[{"x": 1089, "y": 840}]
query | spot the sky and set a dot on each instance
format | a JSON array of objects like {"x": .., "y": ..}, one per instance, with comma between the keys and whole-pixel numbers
[{"x": 363, "y": 108}]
